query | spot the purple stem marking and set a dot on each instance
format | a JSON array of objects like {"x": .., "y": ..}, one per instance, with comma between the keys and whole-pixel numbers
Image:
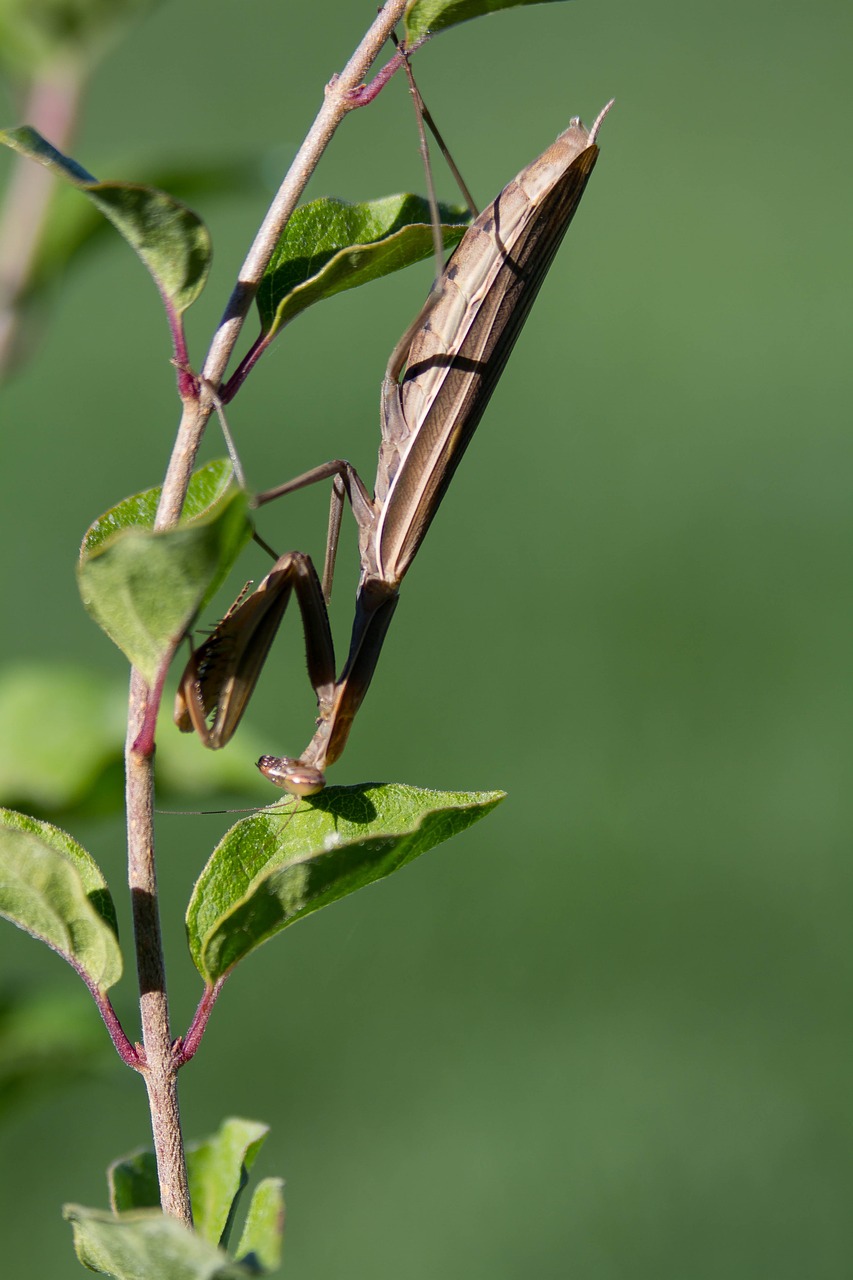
[
  {"x": 365, "y": 93},
  {"x": 129, "y": 1053},
  {"x": 186, "y": 1047},
  {"x": 144, "y": 743},
  {"x": 238, "y": 377}
]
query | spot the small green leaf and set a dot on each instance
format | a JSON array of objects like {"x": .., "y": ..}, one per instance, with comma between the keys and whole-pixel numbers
[
  {"x": 282, "y": 864},
  {"x": 75, "y": 226},
  {"x": 208, "y": 486},
  {"x": 144, "y": 588},
  {"x": 217, "y": 1168},
  {"x": 260, "y": 1243},
  {"x": 329, "y": 246},
  {"x": 218, "y": 1171},
  {"x": 171, "y": 240},
  {"x": 52, "y": 888},
  {"x": 429, "y": 16},
  {"x": 146, "y": 1245}
]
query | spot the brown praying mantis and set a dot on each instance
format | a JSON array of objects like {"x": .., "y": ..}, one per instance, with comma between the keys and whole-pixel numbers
[{"x": 437, "y": 384}]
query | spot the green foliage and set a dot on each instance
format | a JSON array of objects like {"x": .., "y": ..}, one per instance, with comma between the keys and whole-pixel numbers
[
  {"x": 217, "y": 1169},
  {"x": 281, "y": 865},
  {"x": 329, "y": 246},
  {"x": 53, "y": 889},
  {"x": 134, "y": 1236},
  {"x": 260, "y": 1243},
  {"x": 144, "y": 587},
  {"x": 74, "y": 226},
  {"x": 146, "y": 1245},
  {"x": 208, "y": 486},
  {"x": 172, "y": 241},
  {"x": 425, "y": 16}
]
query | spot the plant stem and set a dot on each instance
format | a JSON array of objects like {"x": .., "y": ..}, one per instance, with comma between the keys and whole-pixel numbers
[
  {"x": 160, "y": 1071},
  {"x": 161, "y": 1065},
  {"x": 51, "y": 106}
]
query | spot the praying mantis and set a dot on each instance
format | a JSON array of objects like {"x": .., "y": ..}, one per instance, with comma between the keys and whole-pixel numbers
[{"x": 438, "y": 382}]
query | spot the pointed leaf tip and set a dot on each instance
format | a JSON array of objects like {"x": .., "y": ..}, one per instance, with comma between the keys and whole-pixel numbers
[
  {"x": 171, "y": 240},
  {"x": 283, "y": 864}
]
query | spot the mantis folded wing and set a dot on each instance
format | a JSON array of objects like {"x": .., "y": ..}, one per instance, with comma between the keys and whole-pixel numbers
[{"x": 453, "y": 355}]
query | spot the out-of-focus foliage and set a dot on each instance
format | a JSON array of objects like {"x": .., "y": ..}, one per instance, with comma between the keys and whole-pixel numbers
[{"x": 37, "y": 34}]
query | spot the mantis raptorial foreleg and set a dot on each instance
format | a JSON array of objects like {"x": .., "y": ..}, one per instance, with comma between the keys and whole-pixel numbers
[{"x": 221, "y": 675}]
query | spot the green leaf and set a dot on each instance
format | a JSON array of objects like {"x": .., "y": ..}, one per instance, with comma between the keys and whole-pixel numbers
[
  {"x": 36, "y": 33},
  {"x": 144, "y": 588},
  {"x": 208, "y": 486},
  {"x": 53, "y": 889},
  {"x": 282, "y": 864},
  {"x": 171, "y": 240},
  {"x": 217, "y": 1168},
  {"x": 329, "y": 246},
  {"x": 429, "y": 16},
  {"x": 218, "y": 1171},
  {"x": 260, "y": 1243},
  {"x": 146, "y": 1245},
  {"x": 74, "y": 226}
]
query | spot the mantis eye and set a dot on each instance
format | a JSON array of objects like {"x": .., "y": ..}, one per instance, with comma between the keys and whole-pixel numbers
[{"x": 291, "y": 775}]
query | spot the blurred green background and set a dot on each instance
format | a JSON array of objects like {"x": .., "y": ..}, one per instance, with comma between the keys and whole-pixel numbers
[{"x": 607, "y": 1032}]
